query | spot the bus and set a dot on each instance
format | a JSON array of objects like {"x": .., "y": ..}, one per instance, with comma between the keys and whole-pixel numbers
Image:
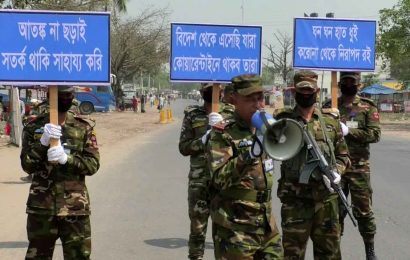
[{"x": 94, "y": 99}]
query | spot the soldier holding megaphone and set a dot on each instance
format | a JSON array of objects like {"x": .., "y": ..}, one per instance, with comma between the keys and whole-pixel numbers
[{"x": 309, "y": 203}]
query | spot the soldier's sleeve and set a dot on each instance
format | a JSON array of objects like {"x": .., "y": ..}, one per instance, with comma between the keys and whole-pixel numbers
[
  {"x": 341, "y": 149},
  {"x": 33, "y": 153},
  {"x": 188, "y": 143},
  {"x": 88, "y": 162},
  {"x": 371, "y": 132}
]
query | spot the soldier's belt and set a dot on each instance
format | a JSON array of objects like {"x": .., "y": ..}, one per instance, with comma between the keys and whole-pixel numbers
[{"x": 248, "y": 195}]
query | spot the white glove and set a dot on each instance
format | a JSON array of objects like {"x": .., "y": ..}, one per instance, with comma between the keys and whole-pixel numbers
[
  {"x": 214, "y": 118},
  {"x": 345, "y": 129},
  {"x": 205, "y": 136},
  {"x": 50, "y": 131},
  {"x": 336, "y": 180},
  {"x": 56, "y": 153}
]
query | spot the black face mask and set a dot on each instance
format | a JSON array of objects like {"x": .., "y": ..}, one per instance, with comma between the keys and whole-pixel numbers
[
  {"x": 207, "y": 96},
  {"x": 64, "y": 104},
  {"x": 348, "y": 90},
  {"x": 305, "y": 100}
]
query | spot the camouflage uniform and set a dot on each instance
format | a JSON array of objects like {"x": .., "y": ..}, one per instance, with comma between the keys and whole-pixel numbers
[
  {"x": 309, "y": 209},
  {"x": 58, "y": 204},
  {"x": 43, "y": 107},
  {"x": 363, "y": 121},
  {"x": 243, "y": 225},
  {"x": 194, "y": 126}
]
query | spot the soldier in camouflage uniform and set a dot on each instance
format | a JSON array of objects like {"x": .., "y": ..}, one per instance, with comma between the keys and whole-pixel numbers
[
  {"x": 243, "y": 225},
  {"x": 58, "y": 205},
  {"x": 361, "y": 127},
  {"x": 310, "y": 208},
  {"x": 194, "y": 133}
]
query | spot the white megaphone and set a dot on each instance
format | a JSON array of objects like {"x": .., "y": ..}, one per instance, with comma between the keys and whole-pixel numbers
[{"x": 282, "y": 139}]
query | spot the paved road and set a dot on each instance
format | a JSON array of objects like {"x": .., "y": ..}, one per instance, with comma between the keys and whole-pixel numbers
[{"x": 140, "y": 208}]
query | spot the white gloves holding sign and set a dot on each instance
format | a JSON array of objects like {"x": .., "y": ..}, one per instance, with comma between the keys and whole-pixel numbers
[
  {"x": 213, "y": 119},
  {"x": 345, "y": 129},
  {"x": 336, "y": 180},
  {"x": 57, "y": 153},
  {"x": 50, "y": 131}
]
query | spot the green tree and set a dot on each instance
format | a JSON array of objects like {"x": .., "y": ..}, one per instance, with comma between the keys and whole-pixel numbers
[
  {"x": 393, "y": 39},
  {"x": 72, "y": 5},
  {"x": 370, "y": 79}
]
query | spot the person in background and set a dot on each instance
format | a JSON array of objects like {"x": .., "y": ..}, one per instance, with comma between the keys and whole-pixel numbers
[{"x": 361, "y": 127}]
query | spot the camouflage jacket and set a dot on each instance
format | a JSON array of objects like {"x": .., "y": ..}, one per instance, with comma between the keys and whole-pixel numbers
[
  {"x": 60, "y": 189},
  {"x": 43, "y": 107},
  {"x": 241, "y": 185},
  {"x": 291, "y": 170},
  {"x": 194, "y": 126},
  {"x": 362, "y": 118}
]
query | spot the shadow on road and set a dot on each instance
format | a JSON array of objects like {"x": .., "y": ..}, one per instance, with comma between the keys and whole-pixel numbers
[
  {"x": 173, "y": 243},
  {"x": 13, "y": 182},
  {"x": 13, "y": 244}
]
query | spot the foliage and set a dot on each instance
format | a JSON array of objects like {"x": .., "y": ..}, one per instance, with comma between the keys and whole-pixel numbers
[
  {"x": 370, "y": 79},
  {"x": 393, "y": 40},
  {"x": 278, "y": 61},
  {"x": 139, "y": 45},
  {"x": 71, "y": 5}
]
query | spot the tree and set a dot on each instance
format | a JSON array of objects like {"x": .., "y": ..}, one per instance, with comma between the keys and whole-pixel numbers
[
  {"x": 72, "y": 5},
  {"x": 393, "y": 39},
  {"x": 278, "y": 60},
  {"x": 139, "y": 45},
  {"x": 370, "y": 79}
]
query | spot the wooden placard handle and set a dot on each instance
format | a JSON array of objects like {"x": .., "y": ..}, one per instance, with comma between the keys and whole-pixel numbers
[
  {"x": 215, "y": 97},
  {"x": 53, "y": 102},
  {"x": 334, "y": 89}
]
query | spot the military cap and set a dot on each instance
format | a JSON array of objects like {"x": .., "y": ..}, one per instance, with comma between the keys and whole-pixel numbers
[
  {"x": 65, "y": 89},
  {"x": 305, "y": 79},
  {"x": 205, "y": 86},
  {"x": 350, "y": 74},
  {"x": 247, "y": 84}
]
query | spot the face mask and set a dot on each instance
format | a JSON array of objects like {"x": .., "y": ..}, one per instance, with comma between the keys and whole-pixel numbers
[
  {"x": 207, "y": 96},
  {"x": 64, "y": 104},
  {"x": 348, "y": 90},
  {"x": 305, "y": 100}
]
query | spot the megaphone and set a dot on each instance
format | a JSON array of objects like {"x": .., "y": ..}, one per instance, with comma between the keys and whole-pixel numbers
[{"x": 282, "y": 139}]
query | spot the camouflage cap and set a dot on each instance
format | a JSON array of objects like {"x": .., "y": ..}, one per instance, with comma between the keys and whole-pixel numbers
[
  {"x": 247, "y": 84},
  {"x": 305, "y": 79},
  {"x": 350, "y": 74},
  {"x": 66, "y": 89},
  {"x": 205, "y": 86}
]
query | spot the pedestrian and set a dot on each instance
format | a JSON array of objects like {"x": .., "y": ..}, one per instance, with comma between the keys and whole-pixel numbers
[
  {"x": 58, "y": 205},
  {"x": 143, "y": 101},
  {"x": 191, "y": 143},
  {"x": 243, "y": 224},
  {"x": 134, "y": 104},
  {"x": 311, "y": 209},
  {"x": 1, "y": 108},
  {"x": 361, "y": 126}
]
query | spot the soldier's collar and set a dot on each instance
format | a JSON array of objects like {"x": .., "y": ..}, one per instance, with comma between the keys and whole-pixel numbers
[{"x": 240, "y": 121}]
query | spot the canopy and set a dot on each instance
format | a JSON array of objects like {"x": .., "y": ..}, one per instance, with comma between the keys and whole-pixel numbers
[{"x": 378, "y": 90}]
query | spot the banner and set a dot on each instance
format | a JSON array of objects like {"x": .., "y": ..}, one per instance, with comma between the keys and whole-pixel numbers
[
  {"x": 54, "y": 48},
  {"x": 334, "y": 44},
  {"x": 217, "y": 53}
]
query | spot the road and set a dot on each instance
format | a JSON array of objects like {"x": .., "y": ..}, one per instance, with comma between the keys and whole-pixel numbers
[{"x": 139, "y": 201}]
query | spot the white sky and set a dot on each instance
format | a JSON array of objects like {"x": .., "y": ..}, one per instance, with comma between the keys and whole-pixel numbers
[{"x": 272, "y": 15}]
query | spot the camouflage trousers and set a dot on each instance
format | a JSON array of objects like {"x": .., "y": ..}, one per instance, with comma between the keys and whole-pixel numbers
[
  {"x": 302, "y": 219},
  {"x": 237, "y": 245},
  {"x": 356, "y": 180},
  {"x": 73, "y": 231},
  {"x": 198, "y": 209}
]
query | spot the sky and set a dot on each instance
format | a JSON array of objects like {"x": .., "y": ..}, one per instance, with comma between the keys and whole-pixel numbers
[{"x": 273, "y": 15}]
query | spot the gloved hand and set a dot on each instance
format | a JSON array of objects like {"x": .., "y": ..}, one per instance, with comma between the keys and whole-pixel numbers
[
  {"x": 56, "y": 153},
  {"x": 50, "y": 131},
  {"x": 214, "y": 118},
  {"x": 336, "y": 180},
  {"x": 345, "y": 129}
]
